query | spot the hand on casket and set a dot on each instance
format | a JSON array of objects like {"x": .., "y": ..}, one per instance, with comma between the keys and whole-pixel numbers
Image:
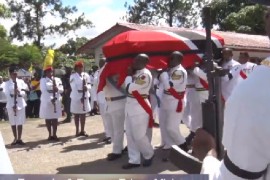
[{"x": 202, "y": 144}]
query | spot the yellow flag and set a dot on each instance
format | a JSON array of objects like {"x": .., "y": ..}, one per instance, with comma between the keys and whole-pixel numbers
[
  {"x": 31, "y": 68},
  {"x": 48, "y": 59}
]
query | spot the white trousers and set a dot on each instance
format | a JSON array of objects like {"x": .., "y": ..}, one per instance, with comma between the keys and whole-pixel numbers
[
  {"x": 137, "y": 139},
  {"x": 193, "y": 112},
  {"x": 171, "y": 132},
  {"x": 116, "y": 120},
  {"x": 107, "y": 124}
]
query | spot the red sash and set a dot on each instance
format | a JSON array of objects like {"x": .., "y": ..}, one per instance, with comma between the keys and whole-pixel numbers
[
  {"x": 145, "y": 106},
  {"x": 243, "y": 75},
  {"x": 175, "y": 94},
  {"x": 204, "y": 83}
]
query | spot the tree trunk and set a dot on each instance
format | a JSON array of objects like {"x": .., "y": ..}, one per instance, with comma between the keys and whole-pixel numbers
[
  {"x": 170, "y": 14},
  {"x": 38, "y": 39}
]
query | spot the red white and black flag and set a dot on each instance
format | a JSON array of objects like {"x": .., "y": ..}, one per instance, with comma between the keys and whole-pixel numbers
[{"x": 158, "y": 45}]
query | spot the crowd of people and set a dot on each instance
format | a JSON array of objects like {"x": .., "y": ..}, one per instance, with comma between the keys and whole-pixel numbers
[{"x": 177, "y": 94}]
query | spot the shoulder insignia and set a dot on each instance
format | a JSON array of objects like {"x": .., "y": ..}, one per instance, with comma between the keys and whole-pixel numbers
[
  {"x": 176, "y": 76},
  {"x": 140, "y": 80}
]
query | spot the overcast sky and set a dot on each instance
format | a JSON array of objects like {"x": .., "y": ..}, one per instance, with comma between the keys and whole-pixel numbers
[{"x": 103, "y": 14}]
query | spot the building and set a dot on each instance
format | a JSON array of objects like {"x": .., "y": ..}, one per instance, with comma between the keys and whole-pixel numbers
[{"x": 257, "y": 46}]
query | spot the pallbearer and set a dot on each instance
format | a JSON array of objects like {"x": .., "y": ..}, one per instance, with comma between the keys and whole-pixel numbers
[
  {"x": 15, "y": 91},
  {"x": 80, "y": 86},
  {"x": 50, "y": 108}
]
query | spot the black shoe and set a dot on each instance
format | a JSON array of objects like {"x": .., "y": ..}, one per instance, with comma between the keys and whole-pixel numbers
[
  {"x": 83, "y": 133},
  {"x": 125, "y": 150},
  {"x": 130, "y": 166},
  {"x": 106, "y": 139},
  {"x": 113, "y": 156},
  {"x": 55, "y": 138},
  {"x": 20, "y": 142},
  {"x": 14, "y": 142},
  {"x": 184, "y": 147},
  {"x": 50, "y": 138},
  {"x": 67, "y": 120},
  {"x": 148, "y": 162}
]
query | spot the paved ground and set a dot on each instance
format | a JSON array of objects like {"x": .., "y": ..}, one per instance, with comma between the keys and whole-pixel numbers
[{"x": 73, "y": 155}]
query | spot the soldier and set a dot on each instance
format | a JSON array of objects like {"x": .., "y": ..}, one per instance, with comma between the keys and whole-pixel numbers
[
  {"x": 138, "y": 113},
  {"x": 246, "y": 66},
  {"x": 79, "y": 106},
  {"x": 50, "y": 108},
  {"x": 115, "y": 113},
  {"x": 173, "y": 101},
  {"x": 102, "y": 105},
  {"x": 93, "y": 91},
  {"x": 230, "y": 64},
  {"x": 66, "y": 95},
  {"x": 15, "y": 91}
]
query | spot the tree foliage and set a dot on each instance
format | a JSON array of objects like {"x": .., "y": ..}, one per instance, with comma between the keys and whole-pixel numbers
[
  {"x": 239, "y": 16},
  {"x": 72, "y": 45},
  {"x": 174, "y": 12},
  {"x": 3, "y": 32},
  {"x": 30, "y": 18},
  {"x": 4, "y": 11}
]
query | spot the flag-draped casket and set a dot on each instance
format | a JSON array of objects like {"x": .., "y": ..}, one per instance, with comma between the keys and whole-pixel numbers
[{"x": 158, "y": 45}]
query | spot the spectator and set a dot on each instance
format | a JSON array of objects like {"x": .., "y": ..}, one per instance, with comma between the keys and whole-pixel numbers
[{"x": 3, "y": 100}]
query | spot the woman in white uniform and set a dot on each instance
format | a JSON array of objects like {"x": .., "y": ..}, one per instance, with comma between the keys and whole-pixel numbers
[
  {"x": 15, "y": 92},
  {"x": 50, "y": 107},
  {"x": 80, "y": 86}
]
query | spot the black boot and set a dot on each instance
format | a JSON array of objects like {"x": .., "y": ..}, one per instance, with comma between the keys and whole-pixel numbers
[{"x": 189, "y": 138}]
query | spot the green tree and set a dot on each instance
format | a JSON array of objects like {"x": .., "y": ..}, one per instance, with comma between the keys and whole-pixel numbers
[
  {"x": 4, "y": 11},
  {"x": 3, "y": 32},
  {"x": 8, "y": 54},
  {"x": 72, "y": 45},
  {"x": 29, "y": 54},
  {"x": 239, "y": 16},
  {"x": 174, "y": 12},
  {"x": 248, "y": 20},
  {"x": 30, "y": 16}
]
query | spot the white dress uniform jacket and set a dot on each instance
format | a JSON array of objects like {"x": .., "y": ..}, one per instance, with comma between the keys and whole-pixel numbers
[
  {"x": 248, "y": 68},
  {"x": 46, "y": 105},
  {"x": 76, "y": 83},
  {"x": 246, "y": 127},
  {"x": 19, "y": 119},
  {"x": 203, "y": 92},
  {"x": 137, "y": 118},
  {"x": 227, "y": 86}
]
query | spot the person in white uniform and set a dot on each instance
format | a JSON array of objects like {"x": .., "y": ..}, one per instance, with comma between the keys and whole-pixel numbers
[
  {"x": 80, "y": 105},
  {"x": 138, "y": 84},
  {"x": 246, "y": 66},
  {"x": 173, "y": 101},
  {"x": 102, "y": 105},
  {"x": 15, "y": 91},
  {"x": 230, "y": 64},
  {"x": 50, "y": 108}
]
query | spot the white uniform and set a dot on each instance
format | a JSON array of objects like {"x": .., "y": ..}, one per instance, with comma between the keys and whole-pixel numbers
[
  {"x": 246, "y": 127},
  {"x": 46, "y": 106},
  {"x": 137, "y": 118},
  {"x": 19, "y": 119},
  {"x": 93, "y": 90},
  {"x": 178, "y": 77},
  {"x": 115, "y": 113},
  {"x": 226, "y": 85},
  {"x": 76, "y": 83},
  {"x": 102, "y": 107},
  {"x": 192, "y": 115},
  {"x": 200, "y": 88},
  {"x": 248, "y": 67}
]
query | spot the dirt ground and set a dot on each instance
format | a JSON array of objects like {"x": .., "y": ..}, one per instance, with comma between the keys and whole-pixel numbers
[{"x": 74, "y": 155}]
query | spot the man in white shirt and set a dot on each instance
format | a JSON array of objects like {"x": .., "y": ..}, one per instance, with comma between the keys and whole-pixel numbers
[
  {"x": 246, "y": 66},
  {"x": 3, "y": 100}
]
